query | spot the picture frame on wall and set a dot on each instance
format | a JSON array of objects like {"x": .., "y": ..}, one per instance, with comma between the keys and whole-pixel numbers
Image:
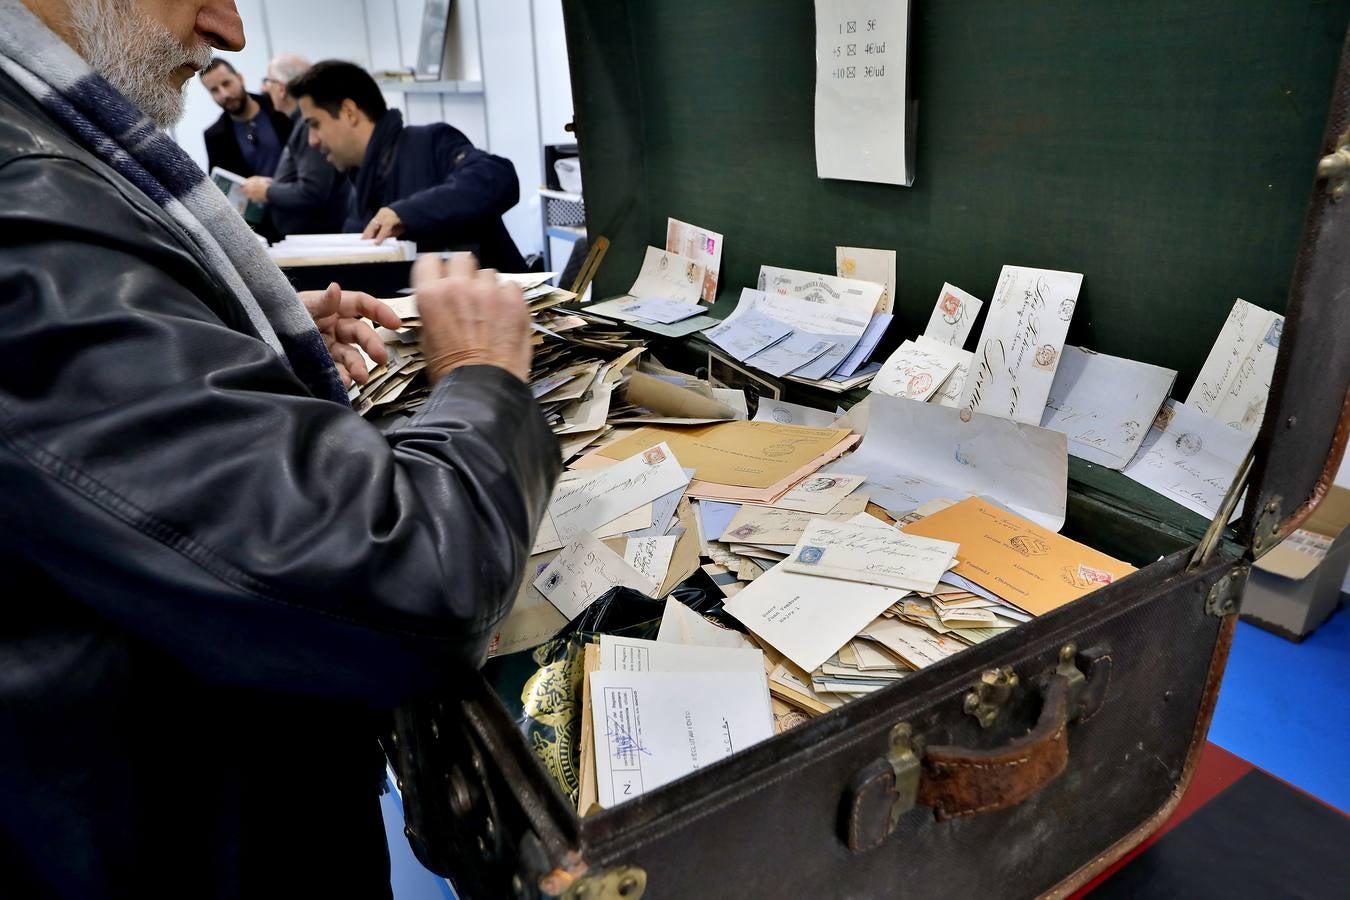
[{"x": 432, "y": 43}]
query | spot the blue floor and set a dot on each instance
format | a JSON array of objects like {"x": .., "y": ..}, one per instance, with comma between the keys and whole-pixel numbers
[{"x": 1285, "y": 707}]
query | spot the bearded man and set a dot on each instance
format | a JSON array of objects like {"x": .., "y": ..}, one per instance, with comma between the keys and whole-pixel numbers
[{"x": 218, "y": 579}]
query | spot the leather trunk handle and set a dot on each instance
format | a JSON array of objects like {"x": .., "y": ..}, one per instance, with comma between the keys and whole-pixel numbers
[{"x": 958, "y": 781}]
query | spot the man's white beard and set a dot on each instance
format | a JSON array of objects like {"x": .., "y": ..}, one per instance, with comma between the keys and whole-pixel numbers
[{"x": 136, "y": 55}]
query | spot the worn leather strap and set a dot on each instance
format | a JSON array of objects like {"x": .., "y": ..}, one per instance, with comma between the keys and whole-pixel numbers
[{"x": 958, "y": 781}]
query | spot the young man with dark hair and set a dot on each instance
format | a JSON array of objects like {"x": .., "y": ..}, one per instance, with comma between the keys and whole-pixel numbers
[
  {"x": 250, "y": 134},
  {"x": 427, "y": 183},
  {"x": 307, "y": 195}
]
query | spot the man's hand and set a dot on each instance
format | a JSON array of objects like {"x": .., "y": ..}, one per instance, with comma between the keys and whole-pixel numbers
[
  {"x": 339, "y": 317},
  {"x": 255, "y": 188},
  {"x": 386, "y": 224},
  {"x": 468, "y": 319}
]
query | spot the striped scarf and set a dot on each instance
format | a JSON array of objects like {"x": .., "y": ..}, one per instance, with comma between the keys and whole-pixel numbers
[{"x": 100, "y": 118}]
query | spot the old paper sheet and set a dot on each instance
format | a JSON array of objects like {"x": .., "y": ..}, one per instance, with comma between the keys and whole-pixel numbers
[
  {"x": 820, "y": 494},
  {"x": 861, "y": 91},
  {"x": 669, "y": 275},
  {"x": 583, "y": 572},
  {"x": 916, "y": 373},
  {"x": 1019, "y": 349},
  {"x": 681, "y": 625},
  {"x": 872, "y": 553},
  {"x": 768, "y": 525}
]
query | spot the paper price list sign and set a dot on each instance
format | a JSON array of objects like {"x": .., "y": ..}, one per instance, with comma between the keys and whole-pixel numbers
[{"x": 861, "y": 71}]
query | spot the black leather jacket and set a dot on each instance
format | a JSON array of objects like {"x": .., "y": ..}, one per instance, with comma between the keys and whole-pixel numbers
[{"x": 211, "y": 582}]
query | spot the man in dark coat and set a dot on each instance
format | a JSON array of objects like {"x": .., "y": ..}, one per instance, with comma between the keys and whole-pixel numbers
[
  {"x": 218, "y": 578},
  {"x": 250, "y": 134},
  {"x": 427, "y": 183}
]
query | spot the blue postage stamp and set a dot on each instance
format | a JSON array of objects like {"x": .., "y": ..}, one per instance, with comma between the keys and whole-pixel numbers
[
  {"x": 809, "y": 556},
  {"x": 1276, "y": 330}
]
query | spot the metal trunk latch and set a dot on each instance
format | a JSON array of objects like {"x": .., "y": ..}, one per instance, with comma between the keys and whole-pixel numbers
[
  {"x": 905, "y": 764},
  {"x": 1335, "y": 168},
  {"x": 987, "y": 698},
  {"x": 626, "y": 883},
  {"x": 1225, "y": 597}
]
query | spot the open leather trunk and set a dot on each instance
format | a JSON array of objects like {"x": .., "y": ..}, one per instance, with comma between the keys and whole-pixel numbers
[{"x": 1179, "y": 156}]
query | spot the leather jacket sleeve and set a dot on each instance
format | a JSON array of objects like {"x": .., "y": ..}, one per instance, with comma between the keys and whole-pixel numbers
[{"x": 172, "y": 475}]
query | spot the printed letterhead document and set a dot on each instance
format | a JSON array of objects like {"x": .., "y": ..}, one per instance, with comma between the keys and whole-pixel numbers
[
  {"x": 1105, "y": 404},
  {"x": 625, "y": 654},
  {"x": 953, "y": 316},
  {"x": 702, "y": 246},
  {"x": 862, "y": 123},
  {"x": 654, "y": 727},
  {"x": 1019, "y": 349}
]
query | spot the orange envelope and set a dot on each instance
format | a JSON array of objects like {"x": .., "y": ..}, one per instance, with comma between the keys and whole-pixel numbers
[
  {"x": 740, "y": 454},
  {"x": 1032, "y": 568}
]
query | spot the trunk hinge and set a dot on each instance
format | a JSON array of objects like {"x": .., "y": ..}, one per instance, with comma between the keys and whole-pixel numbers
[
  {"x": 1225, "y": 597},
  {"x": 625, "y": 883}
]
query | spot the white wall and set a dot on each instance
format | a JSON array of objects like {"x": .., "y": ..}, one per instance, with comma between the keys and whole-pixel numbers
[{"x": 514, "y": 47}]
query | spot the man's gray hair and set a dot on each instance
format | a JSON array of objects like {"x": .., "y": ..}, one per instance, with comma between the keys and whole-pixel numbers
[{"x": 288, "y": 67}]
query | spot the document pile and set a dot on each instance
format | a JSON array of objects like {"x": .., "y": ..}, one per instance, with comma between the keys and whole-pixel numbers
[
  {"x": 337, "y": 249},
  {"x": 665, "y": 298},
  {"x": 577, "y": 364},
  {"x": 856, "y": 604}
]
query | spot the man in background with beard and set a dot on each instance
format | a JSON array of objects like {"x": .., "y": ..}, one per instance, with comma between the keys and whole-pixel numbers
[
  {"x": 217, "y": 578},
  {"x": 250, "y": 134}
]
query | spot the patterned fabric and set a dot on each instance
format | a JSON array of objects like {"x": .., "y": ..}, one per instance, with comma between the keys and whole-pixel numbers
[{"x": 100, "y": 118}]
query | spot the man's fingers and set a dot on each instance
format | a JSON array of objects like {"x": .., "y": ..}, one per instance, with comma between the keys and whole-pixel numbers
[
  {"x": 355, "y": 331},
  {"x": 350, "y": 361},
  {"x": 428, "y": 269},
  {"x": 360, "y": 304},
  {"x": 463, "y": 265},
  {"x": 372, "y": 227}
]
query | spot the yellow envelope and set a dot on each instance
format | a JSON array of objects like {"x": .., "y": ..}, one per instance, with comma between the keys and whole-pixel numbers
[
  {"x": 1029, "y": 566},
  {"x": 741, "y": 454}
]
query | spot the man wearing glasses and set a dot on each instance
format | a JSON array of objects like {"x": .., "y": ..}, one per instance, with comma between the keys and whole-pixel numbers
[{"x": 250, "y": 134}]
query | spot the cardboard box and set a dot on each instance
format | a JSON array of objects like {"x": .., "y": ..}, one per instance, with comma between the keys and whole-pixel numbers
[{"x": 1295, "y": 587}]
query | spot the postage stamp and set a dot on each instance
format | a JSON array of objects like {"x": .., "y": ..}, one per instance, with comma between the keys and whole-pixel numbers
[{"x": 809, "y": 556}]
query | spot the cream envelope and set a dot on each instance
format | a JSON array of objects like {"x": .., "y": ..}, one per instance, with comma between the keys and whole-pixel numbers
[
  {"x": 864, "y": 264},
  {"x": 1235, "y": 381},
  {"x": 820, "y": 494},
  {"x": 915, "y": 645},
  {"x": 805, "y": 618},
  {"x": 763, "y": 525},
  {"x": 681, "y": 625},
  {"x": 867, "y": 551},
  {"x": 1019, "y": 349},
  {"x": 949, "y": 395},
  {"x": 914, "y": 373},
  {"x": 851, "y": 293},
  {"x": 953, "y": 317},
  {"x": 670, "y": 275}
]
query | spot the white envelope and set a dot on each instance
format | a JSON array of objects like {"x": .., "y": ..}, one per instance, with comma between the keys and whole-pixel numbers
[
  {"x": 681, "y": 625},
  {"x": 953, "y": 317},
  {"x": 702, "y": 246},
  {"x": 871, "y": 552},
  {"x": 784, "y": 413},
  {"x": 1191, "y": 458},
  {"x": 949, "y": 395},
  {"x": 1235, "y": 382},
  {"x": 1019, "y": 349},
  {"x": 1105, "y": 404},
  {"x": 583, "y": 572},
  {"x": 807, "y": 619}
]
